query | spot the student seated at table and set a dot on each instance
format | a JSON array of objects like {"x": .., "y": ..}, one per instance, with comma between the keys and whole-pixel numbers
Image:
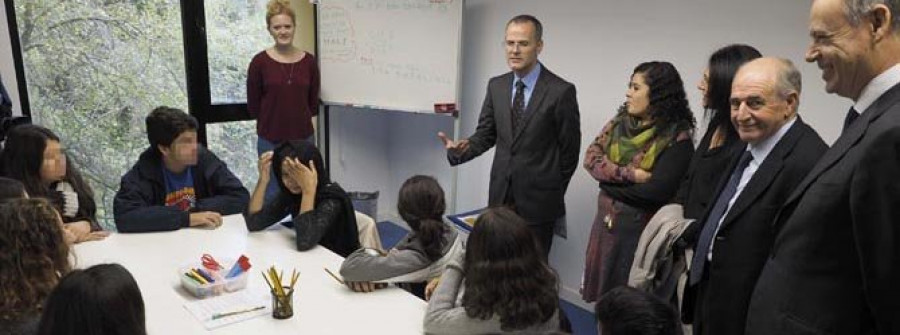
[
  {"x": 628, "y": 311},
  {"x": 176, "y": 183},
  {"x": 503, "y": 286},
  {"x": 101, "y": 300},
  {"x": 35, "y": 156},
  {"x": 322, "y": 211},
  {"x": 11, "y": 189},
  {"x": 419, "y": 256},
  {"x": 33, "y": 256}
]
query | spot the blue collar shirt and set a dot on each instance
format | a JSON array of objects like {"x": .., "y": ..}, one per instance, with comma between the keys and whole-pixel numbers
[{"x": 530, "y": 80}]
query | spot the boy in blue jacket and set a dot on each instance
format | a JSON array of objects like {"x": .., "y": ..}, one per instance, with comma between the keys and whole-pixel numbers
[{"x": 176, "y": 183}]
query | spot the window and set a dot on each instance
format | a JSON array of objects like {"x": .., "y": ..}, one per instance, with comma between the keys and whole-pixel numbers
[
  {"x": 94, "y": 70},
  {"x": 235, "y": 144},
  {"x": 235, "y": 32}
]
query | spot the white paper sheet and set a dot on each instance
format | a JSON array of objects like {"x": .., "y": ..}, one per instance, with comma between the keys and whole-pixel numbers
[{"x": 205, "y": 309}]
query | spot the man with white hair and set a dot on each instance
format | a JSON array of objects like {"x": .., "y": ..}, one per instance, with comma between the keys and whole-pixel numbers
[{"x": 736, "y": 237}]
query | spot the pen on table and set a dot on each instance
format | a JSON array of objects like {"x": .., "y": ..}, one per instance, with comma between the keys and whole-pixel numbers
[
  {"x": 222, "y": 315},
  {"x": 339, "y": 280}
]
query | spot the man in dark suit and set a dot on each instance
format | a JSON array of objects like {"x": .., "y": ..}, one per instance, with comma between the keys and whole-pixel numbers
[
  {"x": 835, "y": 265},
  {"x": 531, "y": 115},
  {"x": 736, "y": 236}
]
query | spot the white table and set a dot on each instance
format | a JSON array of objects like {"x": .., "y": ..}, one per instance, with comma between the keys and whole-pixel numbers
[{"x": 321, "y": 305}]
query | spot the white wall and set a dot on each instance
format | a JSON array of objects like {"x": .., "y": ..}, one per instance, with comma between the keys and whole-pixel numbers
[
  {"x": 378, "y": 150},
  {"x": 7, "y": 64},
  {"x": 359, "y": 151}
]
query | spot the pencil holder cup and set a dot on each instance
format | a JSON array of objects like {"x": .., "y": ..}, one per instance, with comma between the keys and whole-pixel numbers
[{"x": 283, "y": 305}]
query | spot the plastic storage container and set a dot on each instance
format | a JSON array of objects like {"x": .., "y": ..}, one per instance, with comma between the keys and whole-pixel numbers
[{"x": 221, "y": 285}]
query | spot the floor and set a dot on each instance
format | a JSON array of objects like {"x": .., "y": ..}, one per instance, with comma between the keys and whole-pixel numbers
[{"x": 583, "y": 322}]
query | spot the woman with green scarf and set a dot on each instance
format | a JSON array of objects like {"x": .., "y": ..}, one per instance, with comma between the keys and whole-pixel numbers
[{"x": 639, "y": 158}]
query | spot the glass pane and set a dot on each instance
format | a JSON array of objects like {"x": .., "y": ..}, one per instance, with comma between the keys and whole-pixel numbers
[
  {"x": 235, "y": 32},
  {"x": 235, "y": 144},
  {"x": 94, "y": 70}
]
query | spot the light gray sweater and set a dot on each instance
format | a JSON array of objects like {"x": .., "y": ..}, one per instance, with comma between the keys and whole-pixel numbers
[
  {"x": 408, "y": 257},
  {"x": 445, "y": 314}
]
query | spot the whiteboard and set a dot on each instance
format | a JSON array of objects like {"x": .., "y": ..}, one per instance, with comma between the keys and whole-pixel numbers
[{"x": 400, "y": 55}]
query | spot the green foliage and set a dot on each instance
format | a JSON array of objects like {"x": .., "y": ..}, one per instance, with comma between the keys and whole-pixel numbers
[
  {"x": 236, "y": 31},
  {"x": 235, "y": 144}
]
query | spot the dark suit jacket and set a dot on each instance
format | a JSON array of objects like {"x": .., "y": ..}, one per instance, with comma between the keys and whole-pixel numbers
[
  {"x": 537, "y": 161},
  {"x": 835, "y": 264},
  {"x": 743, "y": 241}
]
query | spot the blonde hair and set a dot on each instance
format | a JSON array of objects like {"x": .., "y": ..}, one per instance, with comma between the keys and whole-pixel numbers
[{"x": 277, "y": 7}]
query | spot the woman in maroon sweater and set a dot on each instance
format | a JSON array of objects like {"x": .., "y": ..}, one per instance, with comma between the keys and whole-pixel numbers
[{"x": 282, "y": 84}]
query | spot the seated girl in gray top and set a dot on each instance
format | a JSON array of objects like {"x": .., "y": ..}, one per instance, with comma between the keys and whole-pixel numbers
[
  {"x": 422, "y": 254},
  {"x": 504, "y": 285}
]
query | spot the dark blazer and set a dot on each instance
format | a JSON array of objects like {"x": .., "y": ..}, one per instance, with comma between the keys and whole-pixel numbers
[
  {"x": 539, "y": 159},
  {"x": 835, "y": 264},
  {"x": 745, "y": 236}
]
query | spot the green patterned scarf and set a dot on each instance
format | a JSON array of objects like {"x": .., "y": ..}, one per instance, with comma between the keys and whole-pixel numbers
[{"x": 631, "y": 143}]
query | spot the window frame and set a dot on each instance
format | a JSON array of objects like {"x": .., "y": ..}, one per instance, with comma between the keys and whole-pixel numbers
[
  {"x": 196, "y": 66},
  {"x": 19, "y": 62}
]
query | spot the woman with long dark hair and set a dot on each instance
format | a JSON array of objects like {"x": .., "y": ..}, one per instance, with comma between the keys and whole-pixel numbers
[
  {"x": 418, "y": 257},
  {"x": 101, "y": 300},
  {"x": 321, "y": 209},
  {"x": 35, "y": 156},
  {"x": 720, "y": 142},
  {"x": 33, "y": 256},
  {"x": 639, "y": 158},
  {"x": 503, "y": 286}
]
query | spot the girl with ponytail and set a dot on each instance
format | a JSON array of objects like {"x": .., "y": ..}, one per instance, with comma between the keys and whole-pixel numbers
[{"x": 419, "y": 256}]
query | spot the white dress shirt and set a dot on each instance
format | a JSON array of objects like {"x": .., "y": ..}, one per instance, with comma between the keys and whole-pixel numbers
[{"x": 876, "y": 88}]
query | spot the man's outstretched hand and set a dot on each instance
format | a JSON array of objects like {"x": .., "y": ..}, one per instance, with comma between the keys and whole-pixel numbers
[{"x": 455, "y": 148}]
